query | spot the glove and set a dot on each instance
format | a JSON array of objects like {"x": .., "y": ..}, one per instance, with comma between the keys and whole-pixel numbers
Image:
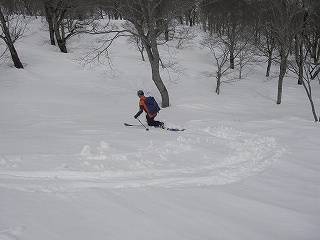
[{"x": 135, "y": 116}]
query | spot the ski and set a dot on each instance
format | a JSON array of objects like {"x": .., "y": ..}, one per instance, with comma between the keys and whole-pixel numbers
[
  {"x": 175, "y": 129},
  {"x": 132, "y": 125},
  {"x": 136, "y": 125},
  {"x": 169, "y": 129}
]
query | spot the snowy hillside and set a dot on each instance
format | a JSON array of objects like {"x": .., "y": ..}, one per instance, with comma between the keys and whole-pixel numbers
[{"x": 244, "y": 168}]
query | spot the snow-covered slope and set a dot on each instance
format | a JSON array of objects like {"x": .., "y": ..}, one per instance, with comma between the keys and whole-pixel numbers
[{"x": 245, "y": 168}]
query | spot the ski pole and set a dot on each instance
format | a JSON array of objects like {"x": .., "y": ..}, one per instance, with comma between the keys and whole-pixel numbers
[{"x": 147, "y": 129}]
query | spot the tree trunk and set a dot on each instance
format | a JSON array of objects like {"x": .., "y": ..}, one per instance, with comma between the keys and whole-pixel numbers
[
  {"x": 269, "y": 63},
  {"x": 315, "y": 74},
  {"x": 231, "y": 58},
  {"x": 55, "y": 16},
  {"x": 309, "y": 94},
  {"x": 150, "y": 43},
  {"x": 270, "y": 44},
  {"x": 7, "y": 38},
  {"x": 14, "y": 56},
  {"x": 50, "y": 23},
  {"x": 60, "y": 40},
  {"x": 154, "y": 59},
  {"x": 299, "y": 58},
  {"x": 283, "y": 69},
  {"x": 219, "y": 74}
]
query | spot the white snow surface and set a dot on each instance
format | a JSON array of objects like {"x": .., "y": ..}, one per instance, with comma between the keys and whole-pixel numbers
[{"x": 244, "y": 168}]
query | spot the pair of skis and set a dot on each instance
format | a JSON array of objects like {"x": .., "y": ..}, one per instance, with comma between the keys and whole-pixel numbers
[{"x": 169, "y": 129}]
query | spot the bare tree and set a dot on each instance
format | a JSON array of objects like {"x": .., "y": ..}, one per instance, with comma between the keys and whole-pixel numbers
[
  {"x": 221, "y": 56},
  {"x": 229, "y": 20},
  {"x": 49, "y": 18},
  {"x": 305, "y": 62},
  {"x": 245, "y": 57},
  {"x": 306, "y": 78},
  {"x": 184, "y": 35},
  {"x": 312, "y": 34},
  {"x": 10, "y": 37},
  {"x": 66, "y": 18},
  {"x": 266, "y": 45},
  {"x": 150, "y": 19},
  {"x": 135, "y": 39},
  {"x": 28, "y": 7},
  {"x": 284, "y": 25}
]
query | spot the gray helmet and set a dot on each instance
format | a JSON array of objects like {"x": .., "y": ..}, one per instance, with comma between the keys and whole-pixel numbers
[{"x": 140, "y": 93}]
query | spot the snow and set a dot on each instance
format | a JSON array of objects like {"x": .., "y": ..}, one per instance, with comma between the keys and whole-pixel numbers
[{"x": 245, "y": 168}]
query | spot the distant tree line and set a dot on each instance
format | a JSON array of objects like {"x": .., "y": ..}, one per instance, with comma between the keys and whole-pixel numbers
[{"x": 285, "y": 32}]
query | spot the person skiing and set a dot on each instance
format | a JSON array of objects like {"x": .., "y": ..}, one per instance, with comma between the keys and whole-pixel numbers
[{"x": 150, "y": 116}]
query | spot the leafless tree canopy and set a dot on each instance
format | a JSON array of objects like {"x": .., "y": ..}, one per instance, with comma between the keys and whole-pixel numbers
[{"x": 285, "y": 32}]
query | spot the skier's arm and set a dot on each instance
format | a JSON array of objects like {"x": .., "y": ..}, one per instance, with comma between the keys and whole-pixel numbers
[{"x": 140, "y": 111}]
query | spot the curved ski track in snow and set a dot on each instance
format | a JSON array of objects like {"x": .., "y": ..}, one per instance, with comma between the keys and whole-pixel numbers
[{"x": 219, "y": 156}]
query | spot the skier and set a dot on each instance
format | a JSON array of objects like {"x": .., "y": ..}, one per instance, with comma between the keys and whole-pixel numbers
[{"x": 150, "y": 116}]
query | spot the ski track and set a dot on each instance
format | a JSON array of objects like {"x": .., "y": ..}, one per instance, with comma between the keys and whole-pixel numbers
[{"x": 172, "y": 165}]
